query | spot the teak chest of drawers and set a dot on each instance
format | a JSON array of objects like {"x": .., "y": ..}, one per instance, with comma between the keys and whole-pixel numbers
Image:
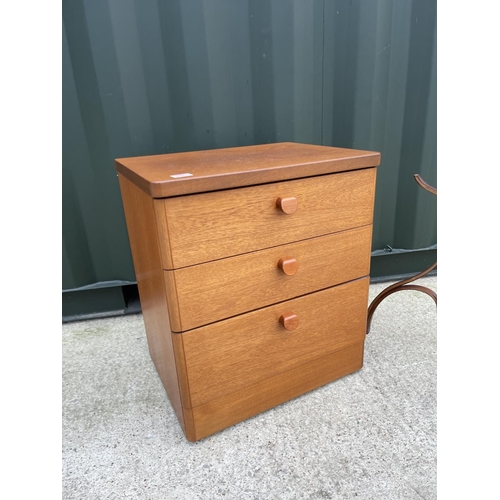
[{"x": 253, "y": 268}]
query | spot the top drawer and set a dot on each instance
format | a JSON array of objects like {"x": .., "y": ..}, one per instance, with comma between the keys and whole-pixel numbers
[{"x": 209, "y": 226}]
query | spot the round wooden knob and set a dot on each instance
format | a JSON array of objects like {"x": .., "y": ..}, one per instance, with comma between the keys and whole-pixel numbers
[
  {"x": 288, "y": 265},
  {"x": 289, "y": 320},
  {"x": 287, "y": 205}
]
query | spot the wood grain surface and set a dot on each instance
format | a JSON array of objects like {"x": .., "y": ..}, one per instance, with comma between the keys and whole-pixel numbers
[
  {"x": 212, "y": 226},
  {"x": 164, "y": 239},
  {"x": 269, "y": 392},
  {"x": 141, "y": 224},
  {"x": 209, "y": 292},
  {"x": 226, "y": 356},
  {"x": 259, "y": 257},
  {"x": 200, "y": 171}
]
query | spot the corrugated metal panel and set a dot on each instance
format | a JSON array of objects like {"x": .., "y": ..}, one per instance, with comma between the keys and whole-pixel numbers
[{"x": 152, "y": 77}]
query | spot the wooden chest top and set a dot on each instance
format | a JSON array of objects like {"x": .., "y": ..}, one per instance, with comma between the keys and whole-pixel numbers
[{"x": 175, "y": 174}]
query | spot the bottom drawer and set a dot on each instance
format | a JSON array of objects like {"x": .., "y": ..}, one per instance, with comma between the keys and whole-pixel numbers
[
  {"x": 228, "y": 410},
  {"x": 232, "y": 355}
]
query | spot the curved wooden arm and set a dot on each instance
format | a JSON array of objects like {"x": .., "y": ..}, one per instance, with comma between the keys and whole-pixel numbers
[
  {"x": 424, "y": 184},
  {"x": 403, "y": 285}
]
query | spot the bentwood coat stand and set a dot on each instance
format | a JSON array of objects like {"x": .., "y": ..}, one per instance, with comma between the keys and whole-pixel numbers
[{"x": 253, "y": 269}]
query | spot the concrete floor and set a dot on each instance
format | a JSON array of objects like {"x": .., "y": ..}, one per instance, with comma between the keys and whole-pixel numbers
[{"x": 370, "y": 435}]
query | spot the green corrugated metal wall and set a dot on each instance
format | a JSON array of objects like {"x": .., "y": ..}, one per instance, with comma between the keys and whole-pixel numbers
[{"x": 148, "y": 77}]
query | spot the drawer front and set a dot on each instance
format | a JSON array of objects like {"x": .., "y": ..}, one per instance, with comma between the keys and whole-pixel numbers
[
  {"x": 223, "y": 412},
  {"x": 223, "y": 288},
  {"x": 227, "y": 356},
  {"x": 210, "y": 226}
]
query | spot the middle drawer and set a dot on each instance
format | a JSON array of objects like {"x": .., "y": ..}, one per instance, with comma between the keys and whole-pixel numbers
[{"x": 216, "y": 290}]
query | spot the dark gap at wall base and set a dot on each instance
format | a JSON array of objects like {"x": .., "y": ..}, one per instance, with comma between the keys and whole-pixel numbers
[
  {"x": 122, "y": 300},
  {"x": 100, "y": 303},
  {"x": 394, "y": 267}
]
